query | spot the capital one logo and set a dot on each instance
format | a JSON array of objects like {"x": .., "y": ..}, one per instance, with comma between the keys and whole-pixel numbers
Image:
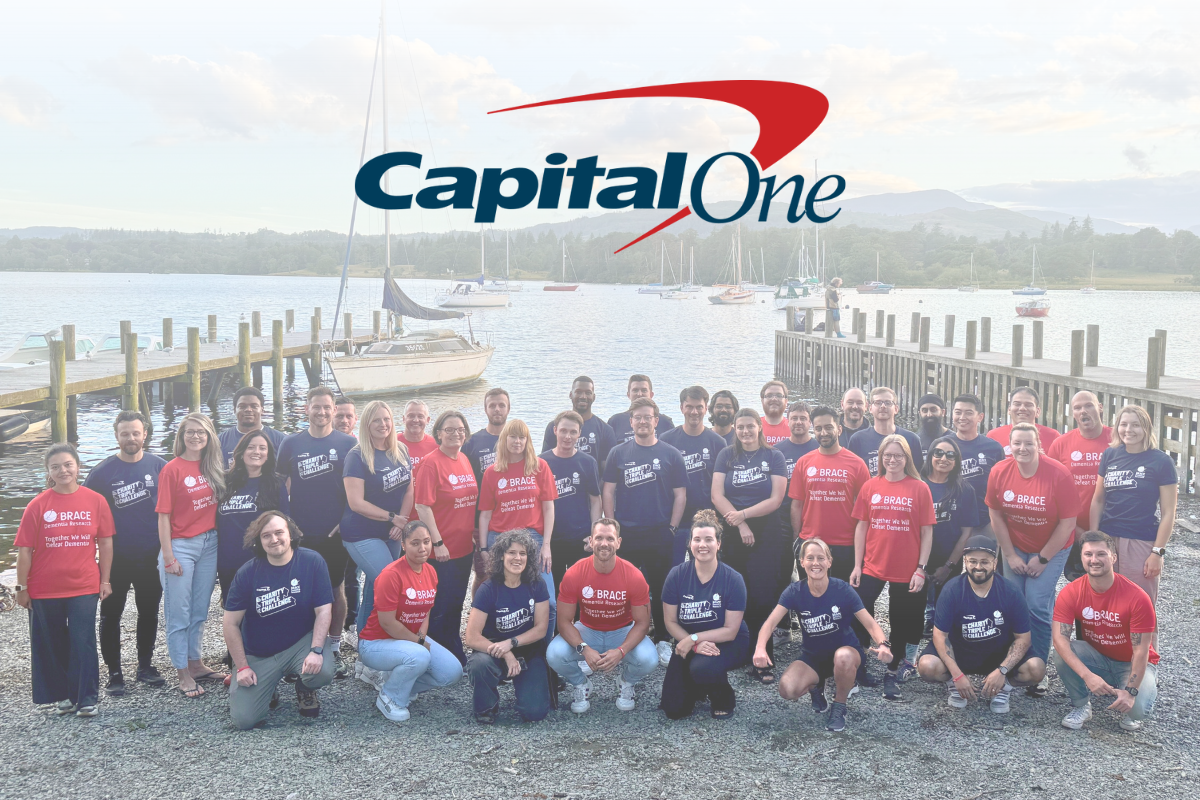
[
  {"x": 787, "y": 114},
  {"x": 50, "y": 515}
]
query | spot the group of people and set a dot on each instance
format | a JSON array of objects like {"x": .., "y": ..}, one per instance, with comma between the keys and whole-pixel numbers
[{"x": 626, "y": 545}]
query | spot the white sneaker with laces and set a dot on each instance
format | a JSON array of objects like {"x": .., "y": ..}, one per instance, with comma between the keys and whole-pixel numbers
[
  {"x": 664, "y": 653},
  {"x": 1129, "y": 724},
  {"x": 390, "y": 710},
  {"x": 1077, "y": 716},
  {"x": 371, "y": 677},
  {"x": 579, "y": 698},
  {"x": 1000, "y": 703},
  {"x": 350, "y": 638},
  {"x": 955, "y": 700},
  {"x": 625, "y": 695}
]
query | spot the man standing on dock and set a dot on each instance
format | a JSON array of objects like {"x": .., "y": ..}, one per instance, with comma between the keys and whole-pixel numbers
[
  {"x": 931, "y": 411},
  {"x": 639, "y": 386},
  {"x": 724, "y": 409},
  {"x": 596, "y": 438},
  {"x": 418, "y": 442},
  {"x": 833, "y": 302},
  {"x": 865, "y": 443},
  {"x": 1079, "y": 450},
  {"x": 854, "y": 409},
  {"x": 774, "y": 396},
  {"x": 1024, "y": 405},
  {"x": 248, "y": 403},
  {"x": 979, "y": 454}
]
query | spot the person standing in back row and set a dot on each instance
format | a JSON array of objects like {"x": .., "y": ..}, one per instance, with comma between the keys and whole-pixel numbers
[
  {"x": 931, "y": 412},
  {"x": 129, "y": 482},
  {"x": 596, "y": 438},
  {"x": 248, "y": 403},
  {"x": 345, "y": 420},
  {"x": 724, "y": 409},
  {"x": 853, "y": 419},
  {"x": 979, "y": 454},
  {"x": 638, "y": 388},
  {"x": 577, "y": 481},
  {"x": 1024, "y": 405},
  {"x": 774, "y": 396},
  {"x": 480, "y": 450},
  {"x": 700, "y": 447},
  {"x": 418, "y": 442},
  {"x": 1079, "y": 450},
  {"x": 865, "y": 443}
]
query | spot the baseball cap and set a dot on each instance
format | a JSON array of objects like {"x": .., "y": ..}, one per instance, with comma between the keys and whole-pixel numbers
[{"x": 983, "y": 543}]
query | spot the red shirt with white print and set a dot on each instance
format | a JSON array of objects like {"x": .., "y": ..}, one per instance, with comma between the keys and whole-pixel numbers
[
  {"x": 185, "y": 495},
  {"x": 62, "y": 530}
]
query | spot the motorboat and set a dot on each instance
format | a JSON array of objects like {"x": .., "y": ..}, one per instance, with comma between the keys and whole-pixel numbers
[
  {"x": 1033, "y": 308},
  {"x": 112, "y": 343},
  {"x": 874, "y": 287},
  {"x": 799, "y": 294},
  {"x": 17, "y": 424},
  {"x": 676, "y": 294},
  {"x": 35, "y": 348},
  {"x": 470, "y": 294}
]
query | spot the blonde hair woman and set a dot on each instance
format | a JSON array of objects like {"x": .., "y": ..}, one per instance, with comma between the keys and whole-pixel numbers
[{"x": 188, "y": 488}]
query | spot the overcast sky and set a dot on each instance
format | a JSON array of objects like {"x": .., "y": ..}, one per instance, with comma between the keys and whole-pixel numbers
[{"x": 237, "y": 116}]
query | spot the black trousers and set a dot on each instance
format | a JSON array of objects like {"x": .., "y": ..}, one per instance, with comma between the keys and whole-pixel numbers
[
  {"x": 564, "y": 553},
  {"x": 689, "y": 680},
  {"x": 351, "y": 589},
  {"x": 759, "y": 567},
  {"x": 906, "y": 614},
  {"x": 649, "y": 549},
  {"x": 142, "y": 576},
  {"x": 445, "y": 618}
]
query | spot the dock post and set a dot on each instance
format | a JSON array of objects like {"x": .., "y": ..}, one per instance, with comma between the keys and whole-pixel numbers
[
  {"x": 314, "y": 352},
  {"x": 809, "y": 319},
  {"x": 317, "y": 313},
  {"x": 130, "y": 398},
  {"x": 985, "y": 334},
  {"x": 126, "y": 328},
  {"x": 1018, "y": 345},
  {"x": 256, "y": 324},
  {"x": 212, "y": 328},
  {"x": 348, "y": 330},
  {"x": 789, "y": 315},
  {"x": 879, "y": 323},
  {"x": 376, "y": 323},
  {"x": 1092, "y": 348},
  {"x": 1162, "y": 350},
  {"x": 914, "y": 332},
  {"x": 1038, "y": 331},
  {"x": 68, "y": 337},
  {"x": 923, "y": 336},
  {"x": 1153, "y": 361},
  {"x": 193, "y": 369},
  {"x": 58, "y": 390},
  {"x": 289, "y": 320},
  {"x": 1077, "y": 348},
  {"x": 862, "y": 328},
  {"x": 829, "y": 323},
  {"x": 244, "y": 352},
  {"x": 167, "y": 388},
  {"x": 277, "y": 366},
  {"x": 949, "y": 337},
  {"x": 854, "y": 321},
  {"x": 890, "y": 341},
  {"x": 972, "y": 335}
]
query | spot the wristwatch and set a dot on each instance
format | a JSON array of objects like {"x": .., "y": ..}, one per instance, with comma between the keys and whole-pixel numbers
[
  {"x": 1044, "y": 561},
  {"x": 20, "y": 588},
  {"x": 1003, "y": 670},
  {"x": 695, "y": 638},
  {"x": 318, "y": 650},
  {"x": 438, "y": 543},
  {"x": 1132, "y": 691},
  {"x": 391, "y": 516},
  {"x": 921, "y": 567},
  {"x": 513, "y": 641},
  {"x": 421, "y": 640},
  {"x": 1161, "y": 552},
  {"x": 579, "y": 647}
]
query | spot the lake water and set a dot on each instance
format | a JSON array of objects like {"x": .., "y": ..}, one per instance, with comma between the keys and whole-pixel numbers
[{"x": 543, "y": 340}]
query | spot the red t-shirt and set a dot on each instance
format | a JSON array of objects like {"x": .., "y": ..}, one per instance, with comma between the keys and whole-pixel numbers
[
  {"x": 62, "y": 529},
  {"x": 895, "y": 513},
  {"x": 1081, "y": 456},
  {"x": 605, "y": 601},
  {"x": 515, "y": 499},
  {"x": 1046, "y": 437},
  {"x": 1108, "y": 617},
  {"x": 186, "y": 496},
  {"x": 418, "y": 450},
  {"x": 408, "y": 593},
  {"x": 777, "y": 432},
  {"x": 827, "y": 487},
  {"x": 448, "y": 487},
  {"x": 1033, "y": 506}
]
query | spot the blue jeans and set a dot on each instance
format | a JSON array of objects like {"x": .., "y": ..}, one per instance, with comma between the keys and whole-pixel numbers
[
  {"x": 1114, "y": 673},
  {"x": 531, "y": 686},
  {"x": 1039, "y": 594},
  {"x": 546, "y": 576},
  {"x": 62, "y": 643},
  {"x": 186, "y": 597},
  {"x": 637, "y": 663},
  {"x": 372, "y": 557},
  {"x": 413, "y": 668}
]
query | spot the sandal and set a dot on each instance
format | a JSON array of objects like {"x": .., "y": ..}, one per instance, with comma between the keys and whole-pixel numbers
[
  {"x": 765, "y": 676},
  {"x": 193, "y": 693},
  {"x": 211, "y": 676}
]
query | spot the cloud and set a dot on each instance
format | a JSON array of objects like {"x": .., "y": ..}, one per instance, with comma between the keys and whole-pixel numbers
[
  {"x": 23, "y": 102},
  {"x": 1137, "y": 158}
]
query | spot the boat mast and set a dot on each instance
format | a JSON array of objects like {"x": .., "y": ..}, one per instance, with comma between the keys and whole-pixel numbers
[
  {"x": 482, "y": 266},
  {"x": 762, "y": 263},
  {"x": 692, "y": 266},
  {"x": 662, "y": 261},
  {"x": 681, "y": 259},
  {"x": 506, "y": 255},
  {"x": 877, "y": 266},
  {"x": 738, "y": 282},
  {"x": 564, "y": 268}
]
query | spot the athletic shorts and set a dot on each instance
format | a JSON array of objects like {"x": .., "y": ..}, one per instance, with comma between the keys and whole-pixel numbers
[
  {"x": 986, "y": 667},
  {"x": 822, "y": 663},
  {"x": 334, "y": 553}
]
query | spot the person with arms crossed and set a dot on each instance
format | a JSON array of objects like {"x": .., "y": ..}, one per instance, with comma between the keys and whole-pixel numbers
[
  {"x": 276, "y": 622},
  {"x": 252, "y": 486},
  {"x": 979, "y": 454},
  {"x": 1033, "y": 504},
  {"x": 418, "y": 442},
  {"x": 981, "y": 628},
  {"x": 506, "y": 631},
  {"x": 1024, "y": 405},
  {"x": 774, "y": 396},
  {"x": 853, "y": 419},
  {"x": 59, "y": 583},
  {"x": 248, "y": 403},
  {"x": 724, "y": 409},
  {"x": 596, "y": 438},
  {"x": 613, "y": 599},
  {"x": 865, "y": 444},
  {"x": 128, "y": 481},
  {"x": 577, "y": 481},
  {"x": 956, "y": 514},
  {"x": 704, "y": 602},
  {"x": 1079, "y": 450},
  {"x": 826, "y": 607},
  {"x": 1115, "y": 656},
  {"x": 699, "y": 446},
  {"x": 931, "y": 411},
  {"x": 638, "y": 388}
]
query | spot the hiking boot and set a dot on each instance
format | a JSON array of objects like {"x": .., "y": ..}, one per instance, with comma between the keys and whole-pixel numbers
[
  {"x": 307, "y": 701},
  {"x": 340, "y": 670},
  {"x": 116, "y": 684},
  {"x": 626, "y": 692},
  {"x": 1038, "y": 690},
  {"x": 781, "y": 636},
  {"x": 955, "y": 700},
  {"x": 274, "y": 704},
  {"x": 579, "y": 697},
  {"x": 1000, "y": 703},
  {"x": 488, "y": 717},
  {"x": 150, "y": 676},
  {"x": 865, "y": 678},
  {"x": 817, "y": 695},
  {"x": 837, "y": 718},
  {"x": 891, "y": 686},
  {"x": 1077, "y": 716}
]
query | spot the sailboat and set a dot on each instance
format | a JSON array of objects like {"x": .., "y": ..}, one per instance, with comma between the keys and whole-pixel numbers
[
  {"x": 688, "y": 289},
  {"x": 425, "y": 359},
  {"x": 470, "y": 293},
  {"x": 803, "y": 291},
  {"x": 503, "y": 286},
  {"x": 972, "y": 284},
  {"x": 875, "y": 286},
  {"x": 734, "y": 295},
  {"x": 1031, "y": 289},
  {"x": 661, "y": 286},
  {"x": 1091, "y": 287},
  {"x": 762, "y": 265},
  {"x": 562, "y": 286}
]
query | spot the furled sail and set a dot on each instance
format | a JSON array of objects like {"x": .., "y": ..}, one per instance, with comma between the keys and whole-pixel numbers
[{"x": 396, "y": 301}]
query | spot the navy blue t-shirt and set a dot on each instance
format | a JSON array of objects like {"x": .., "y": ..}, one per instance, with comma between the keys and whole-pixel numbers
[
  {"x": 646, "y": 478},
  {"x": 235, "y": 515},
  {"x": 385, "y": 488},
  {"x": 596, "y": 439},
  {"x": 951, "y": 516},
  {"x": 230, "y": 437},
  {"x": 578, "y": 480},
  {"x": 131, "y": 490},
  {"x": 847, "y": 433},
  {"x": 702, "y": 606},
  {"x": 622, "y": 428},
  {"x": 978, "y": 457},
  {"x": 480, "y": 450},
  {"x": 748, "y": 475},
  {"x": 699, "y": 459},
  {"x": 509, "y": 611},
  {"x": 318, "y": 496},
  {"x": 1131, "y": 484},
  {"x": 865, "y": 445},
  {"x": 980, "y": 628},
  {"x": 280, "y": 602},
  {"x": 824, "y": 620}
]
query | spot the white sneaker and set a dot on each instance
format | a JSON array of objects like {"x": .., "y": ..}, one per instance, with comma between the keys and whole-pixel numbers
[
  {"x": 664, "y": 653},
  {"x": 853, "y": 690},
  {"x": 1130, "y": 724},
  {"x": 350, "y": 637},
  {"x": 371, "y": 677},
  {"x": 955, "y": 700},
  {"x": 579, "y": 700},
  {"x": 390, "y": 709},
  {"x": 1000, "y": 704},
  {"x": 1077, "y": 716},
  {"x": 625, "y": 695},
  {"x": 64, "y": 707}
]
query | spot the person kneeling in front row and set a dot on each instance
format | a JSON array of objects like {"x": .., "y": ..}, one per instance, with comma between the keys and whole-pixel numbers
[
  {"x": 1116, "y": 655},
  {"x": 614, "y": 615},
  {"x": 981, "y": 627},
  {"x": 394, "y": 641},
  {"x": 507, "y": 631},
  {"x": 277, "y": 615}
]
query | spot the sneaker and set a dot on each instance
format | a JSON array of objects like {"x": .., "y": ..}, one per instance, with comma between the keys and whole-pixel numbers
[
  {"x": 116, "y": 684},
  {"x": 865, "y": 678},
  {"x": 837, "y": 718},
  {"x": 87, "y": 711},
  {"x": 817, "y": 695},
  {"x": 150, "y": 676},
  {"x": 906, "y": 671},
  {"x": 664, "y": 653},
  {"x": 855, "y": 689},
  {"x": 1000, "y": 703},
  {"x": 340, "y": 668},
  {"x": 64, "y": 707},
  {"x": 1038, "y": 690},
  {"x": 1077, "y": 716},
  {"x": 891, "y": 686},
  {"x": 350, "y": 637},
  {"x": 274, "y": 704},
  {"x": 371, "y": 677},
  {"x": 625, "y": 695},
  {"x": 390, "y": 710},
  {"x": 1129, "y": 724},
  {"x": 307, "y": 701},
  {"x": 955, "y": 700},
  {"x": 488, "y": 717},
  {"x": 579, "y": 697}
]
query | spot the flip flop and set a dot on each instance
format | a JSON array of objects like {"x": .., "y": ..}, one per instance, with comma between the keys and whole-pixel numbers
[
  {"x": 211, "y": 677},
  {"x": 193, "y": 694}
]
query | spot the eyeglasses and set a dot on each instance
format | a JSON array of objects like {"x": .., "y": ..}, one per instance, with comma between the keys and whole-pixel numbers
[
  {"x": 978, "y": 562},
  {"x": 893, "y": 457},
  {"x": 941, "y": 454},
  {"x": 640, "y": 418},
  {"x": 455, "y": 431},
  {"x": 195, "y": 435},
  {"x": 884, "y": 403},
  {"x": 774, "y": 396}
]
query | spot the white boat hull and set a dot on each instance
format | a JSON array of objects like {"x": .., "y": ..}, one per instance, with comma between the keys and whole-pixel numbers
[
  {"x": 732, "y": 299},
  {"x": 475, "y": 300},
  {"x": 366, "y": 375}
]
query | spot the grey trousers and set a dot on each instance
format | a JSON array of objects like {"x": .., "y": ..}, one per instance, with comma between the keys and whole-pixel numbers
[{"x": 249, "y": 704}]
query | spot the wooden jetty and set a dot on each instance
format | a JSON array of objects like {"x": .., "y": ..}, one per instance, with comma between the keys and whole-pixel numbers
[
  {"x": 133, "y": 373},
  {"x": 917, "y": 366}
]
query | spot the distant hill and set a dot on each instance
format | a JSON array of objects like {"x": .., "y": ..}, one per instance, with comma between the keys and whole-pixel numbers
[{"x": 40, "y": 232}]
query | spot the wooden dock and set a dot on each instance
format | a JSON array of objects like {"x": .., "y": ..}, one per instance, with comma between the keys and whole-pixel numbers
[{"x": 914, "y": 367}]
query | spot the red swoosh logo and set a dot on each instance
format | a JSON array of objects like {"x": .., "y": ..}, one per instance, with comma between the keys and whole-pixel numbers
[{"x": 787, "y": 114}]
